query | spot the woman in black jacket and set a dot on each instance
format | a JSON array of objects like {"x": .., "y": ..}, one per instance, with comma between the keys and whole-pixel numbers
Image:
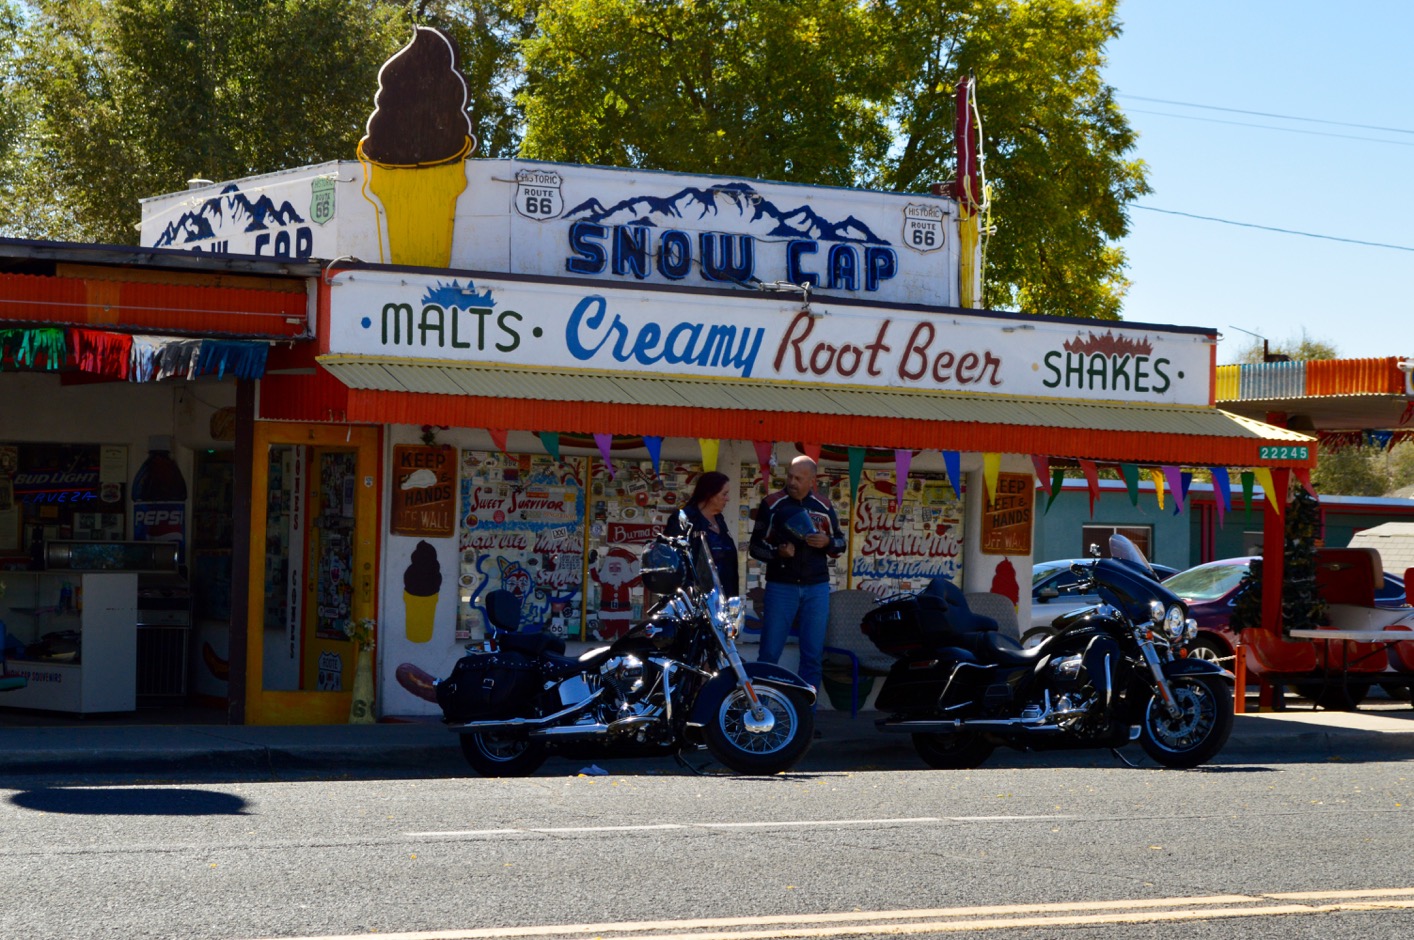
[{"x": 704, "y": 512}]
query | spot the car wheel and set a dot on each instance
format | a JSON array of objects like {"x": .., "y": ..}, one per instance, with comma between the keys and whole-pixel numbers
[{"x": 1212, "y": 650}]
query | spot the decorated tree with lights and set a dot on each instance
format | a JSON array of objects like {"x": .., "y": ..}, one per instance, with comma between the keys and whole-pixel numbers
[{"x": 1302, "y": 606}]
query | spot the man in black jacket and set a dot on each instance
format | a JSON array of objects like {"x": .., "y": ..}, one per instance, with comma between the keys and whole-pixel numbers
[{"x": 796, "y": 533}]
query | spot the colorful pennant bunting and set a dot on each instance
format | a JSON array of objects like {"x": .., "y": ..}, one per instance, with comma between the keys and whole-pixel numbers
[
  {"x": 991, "y": 470},
  {"x": 710, "y": 447},
  {"x": 903, "y": 459}
]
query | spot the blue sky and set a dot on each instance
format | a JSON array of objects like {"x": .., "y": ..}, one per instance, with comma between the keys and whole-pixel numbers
[{"x": 1349, "y": 63}]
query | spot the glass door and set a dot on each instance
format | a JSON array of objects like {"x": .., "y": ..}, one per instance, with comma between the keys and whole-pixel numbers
[{"x": 314, "y": 534}]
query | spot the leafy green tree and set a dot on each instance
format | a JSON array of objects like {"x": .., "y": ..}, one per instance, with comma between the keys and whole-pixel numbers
[
  {"x": 1304, "y": 348},
  {"x": 843, "y": 93},
  {"x": 134, "y": 97},
  {"x": 1350, "y": 471}
]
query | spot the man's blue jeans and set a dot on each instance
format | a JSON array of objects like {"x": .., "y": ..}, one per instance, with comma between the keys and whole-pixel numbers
[{"x": 785, "y": 604}]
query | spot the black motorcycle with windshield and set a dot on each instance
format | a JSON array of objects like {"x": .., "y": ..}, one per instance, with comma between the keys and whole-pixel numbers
[
  {"x": 1110, "y": 674},
  {"x": 673, "y": 681}
]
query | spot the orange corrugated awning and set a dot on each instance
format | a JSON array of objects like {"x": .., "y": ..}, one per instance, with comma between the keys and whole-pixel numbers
[{"x": 411, "y": 392}]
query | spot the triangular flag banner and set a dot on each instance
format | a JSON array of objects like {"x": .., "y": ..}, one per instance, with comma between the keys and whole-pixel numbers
[
  {"x": 1304, "y": 476},
  {"x": 498, "y": 437},
  {"x": 1248, "y": 479},
  {"x": 710, "y": 446},
  {"x": 1042, "y": 463},
  {"x": 813, "y": 452},
  {"x": 551, "y": 440},
  {"x": 655, "y": 450},
  {"x": 604, "y": 440},
  {"x": 1131, "y": 481},
  {"x": 903, "y": 459},
  {"x": 1092, "y": 479},
  {"x": 856, "y": 468},
  {"x": 1185, "y": 480},
  {"x": 1263, "y": 476},
  {"x": 991, "y": 469},
  {"x": 1223, "y": 485},
  {"x": 1057, "y": 484},
  {"x": 1157, "y": 476},
  {"x": 1175, "y": 483},
  {"x": 952, "y": 463},
  {"x": 763, "y": 458}
]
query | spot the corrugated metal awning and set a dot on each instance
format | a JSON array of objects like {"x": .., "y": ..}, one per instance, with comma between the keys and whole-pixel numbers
[{"x": 410, "y": 391}]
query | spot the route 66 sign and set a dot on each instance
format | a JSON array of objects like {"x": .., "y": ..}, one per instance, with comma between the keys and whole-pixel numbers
[
  {"x": 321, "y": 200},
  {"x": 923, "y": 227},
  {"x": 538, "y": 194}
]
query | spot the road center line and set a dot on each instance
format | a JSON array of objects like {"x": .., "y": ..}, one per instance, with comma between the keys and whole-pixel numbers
[
  {"x": 946, "y": 920},
  {"x": 765, "y": 824}
]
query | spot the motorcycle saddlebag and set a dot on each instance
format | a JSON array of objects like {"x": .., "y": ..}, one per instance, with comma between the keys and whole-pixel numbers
[
  {"x": 489, "y": 686},
  {"x": 904, "y": 626}
]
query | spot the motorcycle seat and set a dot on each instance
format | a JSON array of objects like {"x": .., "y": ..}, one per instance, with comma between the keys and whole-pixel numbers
[
  {"x": 993, "y": 646},
  {"x": 531, "y": 644},
  {"x": 554, "y": 666}
]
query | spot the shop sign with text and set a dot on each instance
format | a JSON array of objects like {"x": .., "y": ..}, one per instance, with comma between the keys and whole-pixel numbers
[
  {"x": 458, "y": 320},
  {"x": 424, "y": 502},
  {"x": 1008, "y": 520}
]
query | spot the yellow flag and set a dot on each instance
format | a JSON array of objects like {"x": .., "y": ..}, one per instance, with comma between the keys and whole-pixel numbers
[
  {"x": 1263, "y": 476},
  {"x": 991, "y": 467},
  {"x": 1157, "y": 476},
  {"x": 709, "y": 452}
]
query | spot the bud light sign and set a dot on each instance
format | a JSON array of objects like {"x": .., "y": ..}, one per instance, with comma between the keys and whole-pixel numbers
[{"x": 160, "y": 522}]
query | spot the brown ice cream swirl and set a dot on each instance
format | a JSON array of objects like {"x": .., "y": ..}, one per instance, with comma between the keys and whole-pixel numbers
[
  {"x": 419, "y": 115},
  {"x": 423, "y": 576}
]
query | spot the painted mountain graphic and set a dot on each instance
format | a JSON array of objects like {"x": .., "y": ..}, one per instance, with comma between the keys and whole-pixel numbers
[
  {"x": 451, "y": 295},
  {"x": 230, "y": 209},
  {"x": 736, "y": 204}
]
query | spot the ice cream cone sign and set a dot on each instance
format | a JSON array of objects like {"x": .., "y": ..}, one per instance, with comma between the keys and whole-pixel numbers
[{"x": 415, "y": 149}]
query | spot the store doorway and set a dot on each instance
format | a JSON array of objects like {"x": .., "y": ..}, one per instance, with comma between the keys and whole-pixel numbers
[{"x": 314, "y": 518}]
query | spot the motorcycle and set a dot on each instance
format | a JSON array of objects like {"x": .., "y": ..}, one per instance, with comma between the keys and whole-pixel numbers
[
  {"x": 1110, "y": 674},
  {"x": 673, "y": 681}
]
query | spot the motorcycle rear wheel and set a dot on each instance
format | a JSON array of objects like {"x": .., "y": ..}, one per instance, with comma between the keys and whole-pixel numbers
[
  {"x": 771, "y": 752},
  {"x": 961, "y": 751},
  {"x": 503, "y": 755},
  {"x": 1199, "y": 731}
]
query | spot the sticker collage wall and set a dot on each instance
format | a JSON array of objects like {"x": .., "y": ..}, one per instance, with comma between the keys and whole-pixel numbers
[{"x": 565, "y": 536}]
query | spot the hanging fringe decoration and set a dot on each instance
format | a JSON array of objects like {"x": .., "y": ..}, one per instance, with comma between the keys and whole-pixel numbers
[
  {"x": 102, "y": 353},
  {"x": 26, "y": 348},
  {"x": 243, "y": 360}
]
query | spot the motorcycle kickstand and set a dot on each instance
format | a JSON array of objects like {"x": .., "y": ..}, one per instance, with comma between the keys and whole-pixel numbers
[
  {"x": 1119, "y": 756},
  {"x": 683, "y": 762}
]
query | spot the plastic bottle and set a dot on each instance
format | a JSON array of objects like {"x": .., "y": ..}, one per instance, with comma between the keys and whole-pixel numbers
[{"x": 159, "y": 479}]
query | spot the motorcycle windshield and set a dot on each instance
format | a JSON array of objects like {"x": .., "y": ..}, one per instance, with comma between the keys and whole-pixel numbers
[
  {"x": 1123, "y": 549},
  {"x": 1121, "y": 582}
]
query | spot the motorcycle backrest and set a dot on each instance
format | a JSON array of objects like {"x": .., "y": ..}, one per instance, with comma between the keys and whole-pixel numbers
[{"x": 503, "y": 610}]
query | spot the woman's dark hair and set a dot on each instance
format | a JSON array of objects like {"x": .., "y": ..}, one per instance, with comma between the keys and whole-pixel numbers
[{"x": 708, "y": 485}]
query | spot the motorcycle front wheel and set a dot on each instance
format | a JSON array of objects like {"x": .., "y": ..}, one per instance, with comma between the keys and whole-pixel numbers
[
  {"x": 1198, "y": 732},
  {"x": 761, "y": 753},
  {"x": 503, "y": 755}
]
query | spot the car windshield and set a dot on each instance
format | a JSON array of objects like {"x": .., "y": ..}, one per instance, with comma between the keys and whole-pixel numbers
[
  {"x": 1206, "y": 582},
  {"x": 1045, "y": 569}
]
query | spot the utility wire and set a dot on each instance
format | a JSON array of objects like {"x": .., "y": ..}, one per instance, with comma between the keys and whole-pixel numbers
[
  {"x": 1267, "y": 114},
  {"x": 1272, "y": 228},
  {"x": 1270, "y": 127}
]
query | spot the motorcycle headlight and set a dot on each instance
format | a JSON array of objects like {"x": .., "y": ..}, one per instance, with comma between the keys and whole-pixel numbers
[
  {"x": 1173, "y": 622},
  {"x": 1190, "y": 629},
  {"x": 1156, "y": 611},
  {"x": 735, "y": 615}
]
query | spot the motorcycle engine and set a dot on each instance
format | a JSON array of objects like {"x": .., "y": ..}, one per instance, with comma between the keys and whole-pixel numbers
[{"x": 622, "y": 676}]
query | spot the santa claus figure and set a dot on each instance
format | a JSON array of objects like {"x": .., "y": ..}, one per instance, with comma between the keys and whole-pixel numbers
[{"x": 616, "y": 572}]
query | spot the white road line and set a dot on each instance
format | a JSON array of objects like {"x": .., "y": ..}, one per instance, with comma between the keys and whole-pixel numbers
[
  {"x": 764, "y": 824},
  {"x": 947, "y": 920}
]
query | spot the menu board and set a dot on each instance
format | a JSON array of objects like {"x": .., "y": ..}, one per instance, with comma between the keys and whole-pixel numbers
[{"x": 521, "y": 528}]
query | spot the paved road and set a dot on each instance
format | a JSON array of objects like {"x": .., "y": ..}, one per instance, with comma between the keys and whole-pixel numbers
[{"x": 1092, "y": 848}]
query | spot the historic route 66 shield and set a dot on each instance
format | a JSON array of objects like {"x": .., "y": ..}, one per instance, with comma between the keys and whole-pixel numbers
[
  {"x": 923, "y": 227},
  {"x": 321, "y": 200},
  {"x": 538, "y": 194}
]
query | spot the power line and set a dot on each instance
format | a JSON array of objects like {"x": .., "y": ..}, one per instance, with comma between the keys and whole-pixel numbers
[
  {"x": 1272, "y": 228},
  {"x": 1269, "y": 127},
  {"x": 1283, "y": 117}
]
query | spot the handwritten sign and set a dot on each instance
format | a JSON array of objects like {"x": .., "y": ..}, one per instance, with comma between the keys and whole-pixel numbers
[
  {"x": 1008, "y": 521},
  {"x": 424, "y": 491}
]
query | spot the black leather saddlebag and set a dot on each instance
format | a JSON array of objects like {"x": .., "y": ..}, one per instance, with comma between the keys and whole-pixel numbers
[
  {"x": 489, "y": 686},
  {"x": 937, "y": 616}
]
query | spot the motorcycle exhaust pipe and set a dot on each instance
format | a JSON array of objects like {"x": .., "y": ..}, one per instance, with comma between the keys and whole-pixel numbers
[
  {"x": 958, "y": 724},
  {"x": 521, "y": 724}
]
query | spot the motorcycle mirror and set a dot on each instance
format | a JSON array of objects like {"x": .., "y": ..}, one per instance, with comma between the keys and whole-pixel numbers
[
  {"x": 683, "y": 525},
  {"x": 1094, "y": 550}
]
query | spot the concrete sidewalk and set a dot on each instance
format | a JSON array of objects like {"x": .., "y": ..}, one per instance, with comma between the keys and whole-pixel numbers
[{"x": 427, "y": 749}]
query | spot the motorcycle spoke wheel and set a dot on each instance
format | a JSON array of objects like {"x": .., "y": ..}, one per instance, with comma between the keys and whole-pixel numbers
[
  {"x": 961, "y": 751},
  {"x": 503, "y": 755},
  {"x": 1199, "y": 730},
  {"x": 769, "y": 752}
]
